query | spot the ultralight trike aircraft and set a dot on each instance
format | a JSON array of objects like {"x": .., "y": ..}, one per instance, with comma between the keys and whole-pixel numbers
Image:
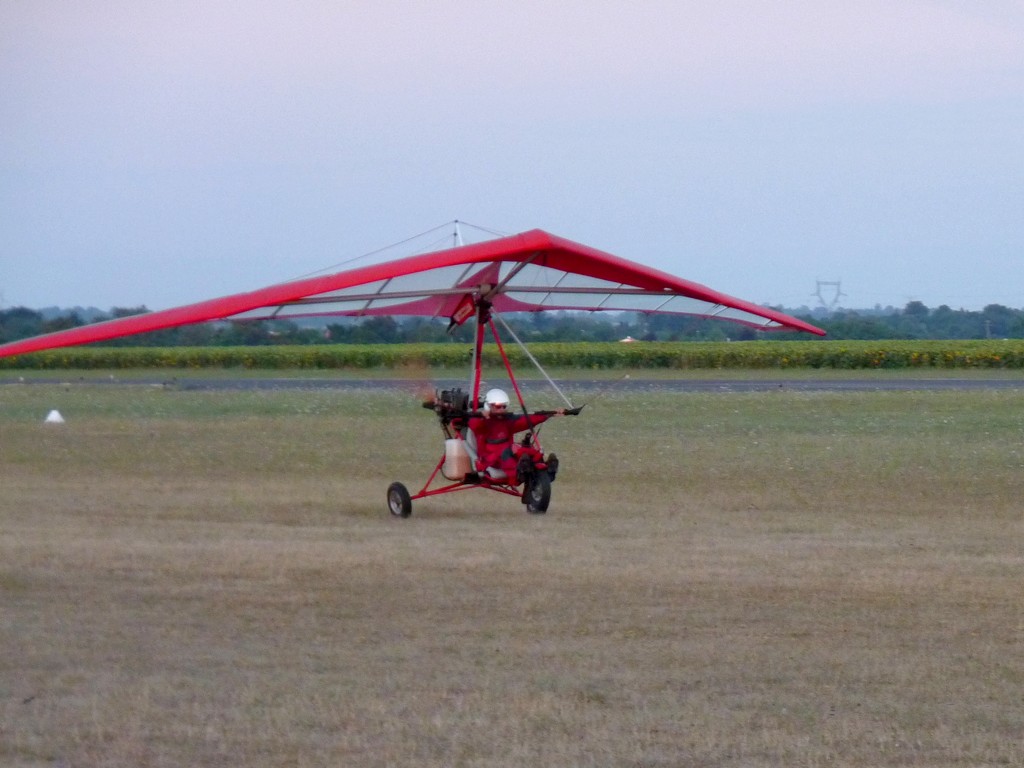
[
  {"x": 528, "y": 272},
  {"x": 480, "y": 450}
]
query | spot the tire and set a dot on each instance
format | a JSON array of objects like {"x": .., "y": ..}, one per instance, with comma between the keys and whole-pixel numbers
[
  {"x": 399, "y": 503},
  {"x": 537, "y": 493}
]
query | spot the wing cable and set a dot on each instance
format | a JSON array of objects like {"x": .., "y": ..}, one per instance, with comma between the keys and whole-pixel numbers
[{"x": 533, "y": 359}]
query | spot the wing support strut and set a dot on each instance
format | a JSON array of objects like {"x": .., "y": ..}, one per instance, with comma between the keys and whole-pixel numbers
[{"x": 533, "y": 359}]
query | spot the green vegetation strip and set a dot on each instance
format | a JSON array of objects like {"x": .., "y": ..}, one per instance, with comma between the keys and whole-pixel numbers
[{"x": 842, "y": 355}]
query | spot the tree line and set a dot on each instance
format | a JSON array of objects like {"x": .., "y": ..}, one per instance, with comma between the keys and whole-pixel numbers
[{"x": 914, "y": 321}]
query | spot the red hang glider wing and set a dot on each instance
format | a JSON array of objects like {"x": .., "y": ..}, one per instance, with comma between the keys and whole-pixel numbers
[{"x": 528, "y": 272}]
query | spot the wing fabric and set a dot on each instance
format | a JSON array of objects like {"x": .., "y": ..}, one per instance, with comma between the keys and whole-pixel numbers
[{"x": 528, "y": 272}]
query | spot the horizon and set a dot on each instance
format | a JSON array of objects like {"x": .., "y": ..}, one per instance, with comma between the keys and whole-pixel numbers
[{"x": 816, "y": 311}]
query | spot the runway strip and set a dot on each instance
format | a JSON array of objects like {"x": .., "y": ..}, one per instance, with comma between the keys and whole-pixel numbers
[
  {"x": 630, "y": 385},
  {"x": 581, "y": 385}
]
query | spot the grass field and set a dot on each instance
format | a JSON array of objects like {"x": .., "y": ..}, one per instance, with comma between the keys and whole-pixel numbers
[{"x": 766, "y": 579}]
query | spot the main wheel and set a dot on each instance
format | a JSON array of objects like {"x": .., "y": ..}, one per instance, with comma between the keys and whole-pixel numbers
[
  {"x": 537, "y": 493},
  {"x": 399, "y": 503}
]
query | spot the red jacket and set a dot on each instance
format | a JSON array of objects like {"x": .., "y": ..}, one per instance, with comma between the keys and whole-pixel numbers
[{"x": 494, "y": 437}]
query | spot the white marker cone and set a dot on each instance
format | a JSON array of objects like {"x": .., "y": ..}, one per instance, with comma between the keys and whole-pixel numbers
[{"x": 54, "y": 417}]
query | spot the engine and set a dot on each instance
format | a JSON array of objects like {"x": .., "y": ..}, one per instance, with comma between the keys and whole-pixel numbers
[{"x": 449, "y": 405}]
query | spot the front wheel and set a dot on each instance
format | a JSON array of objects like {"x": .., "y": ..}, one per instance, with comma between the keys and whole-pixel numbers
[
  {"x": 399, "y": 503},
  {"x": 537, "y": 493}
]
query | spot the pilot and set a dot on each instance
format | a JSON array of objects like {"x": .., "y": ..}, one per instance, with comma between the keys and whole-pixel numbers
[{"x": 494, "y": 432}]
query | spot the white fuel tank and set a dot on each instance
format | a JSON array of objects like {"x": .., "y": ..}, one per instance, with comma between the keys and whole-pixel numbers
[{"x": 456, "y": 460}]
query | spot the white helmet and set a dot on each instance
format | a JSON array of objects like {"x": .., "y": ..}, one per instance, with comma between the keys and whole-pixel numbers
[{"x": 495, "y": 397}]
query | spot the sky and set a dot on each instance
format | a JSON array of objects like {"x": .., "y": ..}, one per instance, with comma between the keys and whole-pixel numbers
[{"x": 160, "y": 153}]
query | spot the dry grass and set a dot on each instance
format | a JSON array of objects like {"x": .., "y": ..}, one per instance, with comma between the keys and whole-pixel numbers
[{"x": 772, "y": 579}]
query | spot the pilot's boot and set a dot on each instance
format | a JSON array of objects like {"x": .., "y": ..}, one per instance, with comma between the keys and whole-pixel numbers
[
  {"x": 524, "y": 470},
  {"x": 552, "y": 462}
]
